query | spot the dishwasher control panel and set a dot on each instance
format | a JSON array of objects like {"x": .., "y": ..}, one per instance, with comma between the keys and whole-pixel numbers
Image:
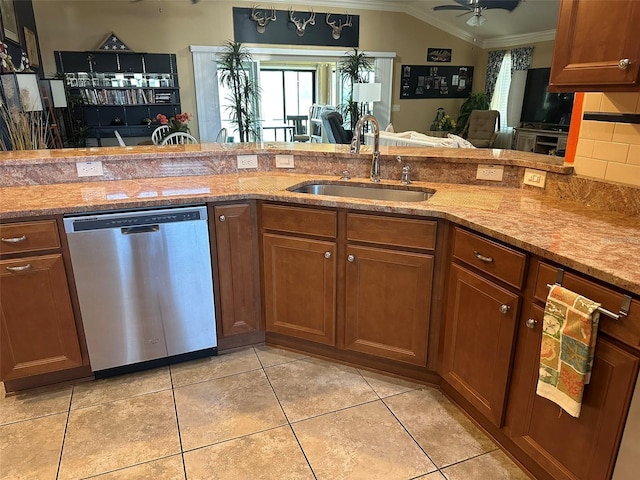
[{"x": 132, "y": 219}]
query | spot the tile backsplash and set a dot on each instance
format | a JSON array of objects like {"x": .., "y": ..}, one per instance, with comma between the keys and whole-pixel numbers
[{"x": 610, "y": 150}]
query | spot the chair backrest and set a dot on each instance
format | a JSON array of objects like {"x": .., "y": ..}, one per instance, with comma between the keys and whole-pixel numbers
[
  {"x": 222, "y": 136},
  {"x": 119, "y": 137},
  {"x": 332, "y": 123},
  {"x": 178, "y": 138},
  {"x": 156, "y": 136},
  {"x": 300, "y": 127},
  {"x": 482, "y": 127}
]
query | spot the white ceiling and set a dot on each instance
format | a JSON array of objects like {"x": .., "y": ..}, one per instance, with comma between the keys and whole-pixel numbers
[{"x": 531, "y": 21}]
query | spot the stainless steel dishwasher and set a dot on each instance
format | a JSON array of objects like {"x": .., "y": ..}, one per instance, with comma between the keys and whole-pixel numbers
[{"x": 145, "y": 286}]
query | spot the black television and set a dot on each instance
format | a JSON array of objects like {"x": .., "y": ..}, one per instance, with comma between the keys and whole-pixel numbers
[{"x": 541, "y": 109}]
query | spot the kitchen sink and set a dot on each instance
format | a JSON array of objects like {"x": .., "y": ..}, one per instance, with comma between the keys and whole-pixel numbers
[{"x": 370, "y": 192}]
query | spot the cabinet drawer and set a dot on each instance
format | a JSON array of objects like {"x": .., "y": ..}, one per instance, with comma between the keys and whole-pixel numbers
[
  {"x": 308, "y": 221},
  {"x": 627, "y": 329},
  {"x": 496, "y": 260},
  {"x": 29, "y": 236},
  {"x": 391, "y": 231}
]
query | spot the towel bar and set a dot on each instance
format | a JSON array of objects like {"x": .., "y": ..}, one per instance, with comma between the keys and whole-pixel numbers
[{"x": 624, "y": 308}]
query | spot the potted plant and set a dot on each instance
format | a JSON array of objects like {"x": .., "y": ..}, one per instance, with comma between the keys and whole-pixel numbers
[
  {"x": 244, "y": 94},
  {"x": 475, "y": 101},
  {"x": 353, "y": 68}
]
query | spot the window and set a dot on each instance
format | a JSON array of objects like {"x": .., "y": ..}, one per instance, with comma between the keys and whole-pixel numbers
[{"x": 500, "y": 97}]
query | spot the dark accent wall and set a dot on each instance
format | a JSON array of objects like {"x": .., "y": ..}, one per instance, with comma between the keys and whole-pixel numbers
[{"x": 25, "y": 18}]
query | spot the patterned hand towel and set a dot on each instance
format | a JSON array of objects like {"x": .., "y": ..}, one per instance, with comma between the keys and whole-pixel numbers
[{"x": 568, "y": 342}]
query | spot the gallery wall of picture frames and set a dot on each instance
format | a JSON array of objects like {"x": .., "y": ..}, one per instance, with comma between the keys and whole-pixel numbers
[
  {"x": 18, "y": 32},
  {"x": 286, "y": 27},
  {"x": 422, "y": 81}
]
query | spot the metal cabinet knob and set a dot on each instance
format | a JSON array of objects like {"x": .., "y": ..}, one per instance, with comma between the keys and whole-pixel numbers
[
  {"x": 531, "y": 323},
  {"x": 351, "y": 258},
  {"x": 624, "y": 63},
  {"x": 504, "y": 308},
  {"x": 222, "y": 218},
  {"x": 327, "y": 254}
]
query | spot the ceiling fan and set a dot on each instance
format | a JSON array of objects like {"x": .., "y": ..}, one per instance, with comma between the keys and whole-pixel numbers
[{"x": 476, "y": 7}]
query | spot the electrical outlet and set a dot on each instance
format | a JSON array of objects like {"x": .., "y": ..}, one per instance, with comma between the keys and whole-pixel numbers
[
  {"x": 284, "y": 161},
  {"x": 89, "y": 169},
  {"x": 535, "y": 178},
  {"x": 395, "y": 107},
  {"x": 490, "y": 172},
  {"x": 247, "y": 161}
]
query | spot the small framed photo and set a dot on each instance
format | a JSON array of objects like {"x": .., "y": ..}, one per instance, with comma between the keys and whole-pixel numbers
[
  {"x": 31, "y": 45},
  {"x": 9, "y": 21}
]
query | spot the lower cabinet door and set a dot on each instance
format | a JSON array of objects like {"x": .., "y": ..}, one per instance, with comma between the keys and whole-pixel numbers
[
  {"x": 583, "y": 448},
  {"x": 388, "y": 299},
  {"x": 300, "y": 287},
  {"x": 237, "y": 248},
  {"x": 479, "y": 338},
  {"x": 38, "y": 331}
]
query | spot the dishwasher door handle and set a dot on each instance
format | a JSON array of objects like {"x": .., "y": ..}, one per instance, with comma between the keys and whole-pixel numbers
[{"x": 140, "y": 229}]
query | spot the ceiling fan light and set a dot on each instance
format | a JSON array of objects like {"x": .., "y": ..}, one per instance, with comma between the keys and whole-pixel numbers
[{"x": 476, "y": 21}]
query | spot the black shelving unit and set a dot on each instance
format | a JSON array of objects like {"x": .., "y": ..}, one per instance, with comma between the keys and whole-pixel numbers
[{"x": 120, "y": 90}]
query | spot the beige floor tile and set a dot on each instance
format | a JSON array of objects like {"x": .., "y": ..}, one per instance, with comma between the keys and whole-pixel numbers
[
  {"x": 495, "y": 465},
  {"x": 274, "y": 454},
  {"x": 169, "y": 468},
  {"x": 214, "y": 367},
  {"x": 270, "y": 356},
  {"x": 225, "y": 408},
  {"x": 34, "y": 403},
  {"x": 119, "y": 434},
  {"x": 363, "y": 442},
  {"x": 386, "y": 385},
  {"x": 31, "y": 449},
  {"x": 123, "y": 386},
  {"x": 441, "y": 429},
  {"x": 431, "y": 476},
  {"x": 311, "y": 387}
]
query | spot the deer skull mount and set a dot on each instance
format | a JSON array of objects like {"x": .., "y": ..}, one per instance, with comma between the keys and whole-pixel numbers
[
  {"x": 336, "y": 31},
  {"x": 301, "y": 25},
  {"x": 261, "y": 19}
]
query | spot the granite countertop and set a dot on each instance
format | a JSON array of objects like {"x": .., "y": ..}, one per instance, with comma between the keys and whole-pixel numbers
[{"x": 605, "y": 245}]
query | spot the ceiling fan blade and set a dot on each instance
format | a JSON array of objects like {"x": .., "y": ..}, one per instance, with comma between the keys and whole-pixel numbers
[
  {"x": 509, "y": 5},
  {"x": 465, "y": 13},
  {"x": 451, "y": 7}
]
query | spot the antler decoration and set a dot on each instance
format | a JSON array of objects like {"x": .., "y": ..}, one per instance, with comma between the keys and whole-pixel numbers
[
  {"x": 261, "y": 19},
  {"x": 336, "y": 31},
  {"x": 301, "y": 25}
]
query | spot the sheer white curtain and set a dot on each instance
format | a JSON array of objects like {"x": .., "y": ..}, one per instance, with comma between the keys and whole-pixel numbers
[{"x": 500, "y": 101}]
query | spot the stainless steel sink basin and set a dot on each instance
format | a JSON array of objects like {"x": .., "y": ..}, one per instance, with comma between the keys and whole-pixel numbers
[{"x": 370, "y": 192}]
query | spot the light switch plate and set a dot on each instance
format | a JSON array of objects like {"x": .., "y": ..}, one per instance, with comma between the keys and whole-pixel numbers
[
  {"x": 89, "y": 169},
  {"x": 535, "y": 178},
  {"x": 247, "y": 161},
  {"x": 490, "y": 172},
  {"x": 284, "y": 161}
]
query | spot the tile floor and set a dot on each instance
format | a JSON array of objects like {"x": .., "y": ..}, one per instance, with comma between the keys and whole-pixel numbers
[{"x": 257, "y": 413}]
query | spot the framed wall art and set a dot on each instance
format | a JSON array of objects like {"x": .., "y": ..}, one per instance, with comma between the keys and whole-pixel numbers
[
  {"x": 31, "y": 45},
  {"x": 9, "y": 21}
]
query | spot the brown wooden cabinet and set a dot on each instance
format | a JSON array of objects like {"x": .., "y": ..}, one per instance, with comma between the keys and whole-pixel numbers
[
  {"x": 238, "y": 266},
  {"x": 299, "y": 268},
  {"x": 38, "y": 331},
  {"x": 388, "y": 290},
  {"x": 565, "y": 447},
  {"x": 596, "y": 46},
  {"x": 481, "y": 320}
]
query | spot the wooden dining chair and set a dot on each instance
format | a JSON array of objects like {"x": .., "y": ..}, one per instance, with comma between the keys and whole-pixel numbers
[
  {"x": 158, "y": 133},
  {"x": 178, "y": 138}
]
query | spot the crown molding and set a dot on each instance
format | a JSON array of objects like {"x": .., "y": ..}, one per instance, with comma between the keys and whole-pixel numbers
[{"x": 513, "y": 40}]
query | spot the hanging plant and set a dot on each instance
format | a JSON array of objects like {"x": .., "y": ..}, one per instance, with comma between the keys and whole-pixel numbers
[
  {"x": 353, "y": 69},
  {"x": 244, "y": 92}
]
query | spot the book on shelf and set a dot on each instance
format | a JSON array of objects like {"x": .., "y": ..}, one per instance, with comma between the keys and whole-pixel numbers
[{"x": 138, "y": 96}]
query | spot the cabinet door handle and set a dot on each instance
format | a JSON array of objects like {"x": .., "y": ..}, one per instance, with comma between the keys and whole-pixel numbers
[
  {"x": 327, "y": 254},
  {"x": 20, "y": 268},
  {"x": 531, "y": 323},
  {"x": 14, "y": 239},
  {"x": 351, "y": 258},
  {"x": 481, "y": 257},
  {"x": 504, "y": 308},
  {"x": 222, "y": 218},
  {"x": 624, "y": 63}
]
